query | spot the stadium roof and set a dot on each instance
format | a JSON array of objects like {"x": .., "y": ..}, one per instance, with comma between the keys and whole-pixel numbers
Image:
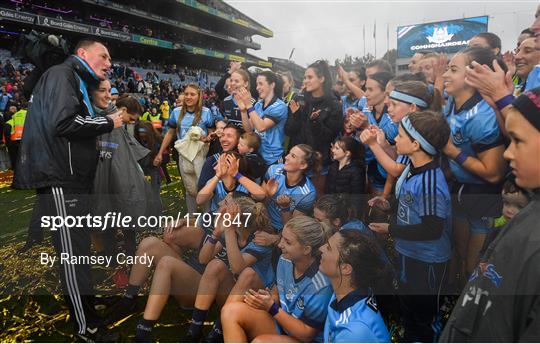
[
  {"x": 65, "y": 25},
  {"x": 171, "y": 22}
]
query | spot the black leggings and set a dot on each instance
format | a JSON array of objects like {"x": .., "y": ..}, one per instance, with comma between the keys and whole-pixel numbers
[{"x": 420, "y": 285}]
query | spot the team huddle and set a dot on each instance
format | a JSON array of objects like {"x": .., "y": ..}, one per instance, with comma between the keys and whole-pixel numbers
[{"x": 329, "y": 210}]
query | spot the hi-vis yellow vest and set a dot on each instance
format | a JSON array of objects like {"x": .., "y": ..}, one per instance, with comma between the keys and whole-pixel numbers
[
  {"x": 156, "y": 121},
  {"x": 17, "y": 125},
  {"x": 144, "y": 116}
]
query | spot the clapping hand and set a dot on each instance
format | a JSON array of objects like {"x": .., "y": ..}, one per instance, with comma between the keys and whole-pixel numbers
[{"x": 261, "y": 299}]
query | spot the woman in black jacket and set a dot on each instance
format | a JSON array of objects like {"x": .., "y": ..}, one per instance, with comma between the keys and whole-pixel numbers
[
  {"x": 318, "y": 122},
  {"x": 346, "y": 175}
]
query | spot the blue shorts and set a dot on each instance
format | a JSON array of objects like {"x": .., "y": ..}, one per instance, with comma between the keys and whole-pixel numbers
[{"x": 477, "y": 205}]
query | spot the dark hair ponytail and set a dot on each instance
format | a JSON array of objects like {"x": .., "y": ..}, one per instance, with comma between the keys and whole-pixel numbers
[
  {"x": 272, "y": 78},
  {"x": 483, "y": 56},
  {"x": 364, "y": 254},
  {"x": 322, "y": 70}
]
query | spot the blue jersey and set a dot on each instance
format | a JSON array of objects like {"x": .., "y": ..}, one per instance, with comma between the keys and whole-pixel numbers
[
  {"x": 207, "y": 121},
  {"x": 533, "y": 79},
  {"x": 390, "y": 131},
  {"x": 305, "y": 298},
  {"x": 272, "y": 139},
  {"x": 425, "y": 193},
  {"x": 474, "y": 129},
  {"x": 357, "y": 104},
  {"x": 263, "y": 266},
  {"x": 303, "y": 195},
  {"x": 220, "y": 193},
  {"x": 355, "y": 319}
]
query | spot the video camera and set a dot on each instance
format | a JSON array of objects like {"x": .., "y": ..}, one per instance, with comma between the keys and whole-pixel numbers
[{"x": 43, "y": 51}]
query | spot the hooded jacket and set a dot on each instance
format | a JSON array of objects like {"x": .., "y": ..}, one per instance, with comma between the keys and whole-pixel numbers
[
  {"x": 501, "y": 301},
  {"x": 58, "y": 146}
]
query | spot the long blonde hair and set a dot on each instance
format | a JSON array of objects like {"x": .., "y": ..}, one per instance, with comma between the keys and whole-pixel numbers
[{"x": 198, "y": 107}]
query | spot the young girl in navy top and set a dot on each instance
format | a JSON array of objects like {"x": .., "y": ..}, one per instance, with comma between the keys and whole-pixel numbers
[
  {"x": 403, "y": 99},
  {"x": 422, "y": 230}
]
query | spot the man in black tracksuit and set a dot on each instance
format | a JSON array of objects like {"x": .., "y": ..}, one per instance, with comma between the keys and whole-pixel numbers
[{"x": 58, "y": 158}]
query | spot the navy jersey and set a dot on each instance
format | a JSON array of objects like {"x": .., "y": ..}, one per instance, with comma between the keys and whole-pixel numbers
[
  {"x": 357, "y": 104},
  {"x": 305, "y": 298},
  {"x": 272, "y": 139},
  {"x": 424, "y": 192},
  {"x": 403, "y": 159},
  {"x": 303, "y": 195},
  {"x": 231, "y": 111},
  {"x": 474, "y": 129},
  {"x": 355, "y": 319},
  {"x": 220, "y": 193},
  {"x": 207, "y": 171},
  {"x": 207, "y": 121},
  {"x": 216, "y": 115}
]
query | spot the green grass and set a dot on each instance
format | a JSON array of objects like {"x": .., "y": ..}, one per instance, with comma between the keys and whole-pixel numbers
[{"x": 29, "y": 309}]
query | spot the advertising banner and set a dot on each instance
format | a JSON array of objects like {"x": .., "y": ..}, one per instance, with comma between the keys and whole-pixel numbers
[{"x": 445, "y": 36}]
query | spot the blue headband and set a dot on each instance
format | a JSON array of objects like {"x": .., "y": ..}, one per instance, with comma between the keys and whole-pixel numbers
[
  {"x": 407, "y": 125},
  {"x": 407, "y": 98},
  {"x": 141, "y": 130}
]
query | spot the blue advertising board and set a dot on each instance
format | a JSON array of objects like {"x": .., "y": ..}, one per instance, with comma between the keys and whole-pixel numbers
[{"x": 446, "y": 36}]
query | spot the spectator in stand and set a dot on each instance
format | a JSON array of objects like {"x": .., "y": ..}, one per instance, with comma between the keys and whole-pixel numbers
[
  {"x": 4, "y": 99},
  {"x": 114, "y": 95}
]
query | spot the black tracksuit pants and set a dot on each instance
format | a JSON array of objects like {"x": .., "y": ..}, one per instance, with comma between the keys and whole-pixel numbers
[{"x": 76, "y": 281}]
